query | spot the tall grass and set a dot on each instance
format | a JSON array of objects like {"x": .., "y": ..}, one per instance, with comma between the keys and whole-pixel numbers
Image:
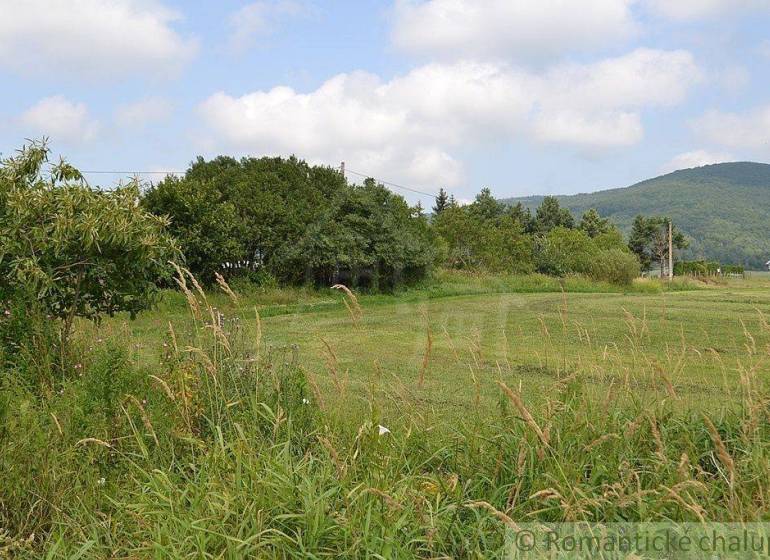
[{"x": 228, "y": 450}]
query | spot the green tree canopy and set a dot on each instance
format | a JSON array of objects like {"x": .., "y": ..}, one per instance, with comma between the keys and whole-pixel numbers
[
  {"x": 551, "y": 215},
  {"x": 293, "y": 221},
  {"x": 442, "y": 202},
  {"x": 484, "y": 236},
  {"x": 593, "y": 224},
  {"x": 79, "y": 250},
  {"x": 649, "y": 240}
]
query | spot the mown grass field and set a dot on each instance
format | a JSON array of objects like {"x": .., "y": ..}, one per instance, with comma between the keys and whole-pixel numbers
[
  {"x": 693, "y": 337},
  {"x": 423, "y": 424}
]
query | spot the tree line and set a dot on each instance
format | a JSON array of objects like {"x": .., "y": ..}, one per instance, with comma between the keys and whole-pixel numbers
[
  {"x": 282, "y": 220},
  {"x": 68, "y": 249}
]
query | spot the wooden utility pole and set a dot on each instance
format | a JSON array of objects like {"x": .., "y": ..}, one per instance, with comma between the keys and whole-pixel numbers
[
  {"x": 670, "y": 251},
  {"x": 342, "y": 168}
]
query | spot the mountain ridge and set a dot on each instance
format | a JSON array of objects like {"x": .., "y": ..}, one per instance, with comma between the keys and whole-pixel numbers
[{"x": 724, "y": 208}]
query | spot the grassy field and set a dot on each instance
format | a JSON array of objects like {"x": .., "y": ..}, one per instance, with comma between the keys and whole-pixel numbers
[
  {"x": 421, "y": 424},
  {"x": 526, "y": 331}
]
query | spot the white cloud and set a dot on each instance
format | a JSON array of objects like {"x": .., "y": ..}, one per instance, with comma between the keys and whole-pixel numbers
[
  {"x": 684, "y": 10},
  {"x": 509, "y": 29},
  {"x": 143, "y": 112},
  {"x": 696, "y": 158},
  {"x": 750, "y": 129},
  {"x": 259, "y": 19},
  {"x": 591, "y": 133},
  {"x": 408, "y": 128},
  {"x": 596, "y": 106},
  {"x": 105, "y": 39},
  {"x": 408, "y": 123},
  {"x": 59, "y": 119}
]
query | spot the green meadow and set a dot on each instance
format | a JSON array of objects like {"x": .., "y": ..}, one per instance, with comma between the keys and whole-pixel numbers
[
  {"x": 527, "y": 330},
  {"x": 299, "y": 423}
]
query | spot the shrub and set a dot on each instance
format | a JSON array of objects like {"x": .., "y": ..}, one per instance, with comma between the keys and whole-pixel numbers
[
  {"x": 78, "y": 251},
  {"x": 28, "y": 339},
  {"x": 615, "y": 266},
  {"x": 563, "y": 251}
]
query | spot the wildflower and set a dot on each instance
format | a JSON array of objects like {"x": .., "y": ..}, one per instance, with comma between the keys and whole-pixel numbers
[
  {"x": 101, "y": 482},
  {"x": 382, "y": 430},
  {"x": 305, "y": 401},
  {"x": 7, "y": 312},
  {"x": 78, "y": 366}
]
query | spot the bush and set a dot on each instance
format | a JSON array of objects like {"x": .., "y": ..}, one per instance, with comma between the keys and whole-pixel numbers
[
  {"x": 564, "y": 251},
  {"x": 28, "y": 338},
  {"x": 615, "y": 266},
  {"x": 79, "y": 251}
]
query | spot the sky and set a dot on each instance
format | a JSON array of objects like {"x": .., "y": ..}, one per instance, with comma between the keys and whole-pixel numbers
[{"x": 521, "y": 96}]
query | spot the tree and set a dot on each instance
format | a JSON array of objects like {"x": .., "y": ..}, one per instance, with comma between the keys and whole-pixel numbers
[
  {"x": 419, "y": 212},
  {"x": 640, "y": 240},
  {"x": 368, "y": 236},
  {"x": 81, "y": 251},
  {"x": 593, "y": 224},
  {"x": 486, "y": 207},
  {"x": 244, "y": 211},
  {"x": 649, "y": 240},
  {"x": 551, "y": 215},
  {"x": 519, "y": 213},
  {"x": 442, "y": 202},
  {"x": 208, "y": 226},
  {"x": 475, "y": 243}
]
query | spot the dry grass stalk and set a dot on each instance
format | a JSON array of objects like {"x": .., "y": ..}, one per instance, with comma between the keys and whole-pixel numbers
[
  {"x": 172, "y": 333},
  {"x": 690, "y": 506},
  {"x": 683, "y": 468},
  {"x": 145, "y": 418},
  {"x": 724, "y": 456},
  {"x": 494, "y": 511},
  {"x": 451, "y": 345},
  {"x": 751, "y": 345},
  {"x": 525, "y": 414},
  {"x": 332, "y": 365},
  {"x": 169, "y": 393},
  {"x": 426, "y": 355},
  {"x": 476, "y": 387},
  {"x": 192, "y": 301},
  {"x": 388, "y": 499},
  {"x": 666, "y": 381},
  {"x": 311, "y": 379},
  {"x": 338, "y": 463},
  {"x": 600, "y": 440},
  {"x": 225, "y": 287},
  {"x": 353, "y": 307},
  {"x": 258, "y": 338},
  {"x": 93, "y": 440},
  {"x": 58, "y": 425},
  {"x": 207, "y": 363},
  {"x": 660, "y": 448}
]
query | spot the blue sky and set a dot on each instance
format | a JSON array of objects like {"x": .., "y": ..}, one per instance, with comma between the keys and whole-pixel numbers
[{"x": 525, "y": 97}]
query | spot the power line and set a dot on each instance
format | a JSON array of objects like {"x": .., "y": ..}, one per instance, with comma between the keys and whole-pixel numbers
[
  {"x": 135, "y": 172},
  {"x": 342, "y": 169},
  {"x": 410, "y": 189}
]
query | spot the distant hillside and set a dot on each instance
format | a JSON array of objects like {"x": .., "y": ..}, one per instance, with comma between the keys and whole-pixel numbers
[{"x": 724, "y": 209}]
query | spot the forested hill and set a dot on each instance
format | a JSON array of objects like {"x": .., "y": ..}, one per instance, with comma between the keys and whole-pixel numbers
[{"x": 724, "y": 209}]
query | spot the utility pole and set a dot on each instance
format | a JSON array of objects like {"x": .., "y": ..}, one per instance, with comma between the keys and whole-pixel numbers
[
  {"x": 342, "y": 168},
  {"x": 670, "y": 251}
]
